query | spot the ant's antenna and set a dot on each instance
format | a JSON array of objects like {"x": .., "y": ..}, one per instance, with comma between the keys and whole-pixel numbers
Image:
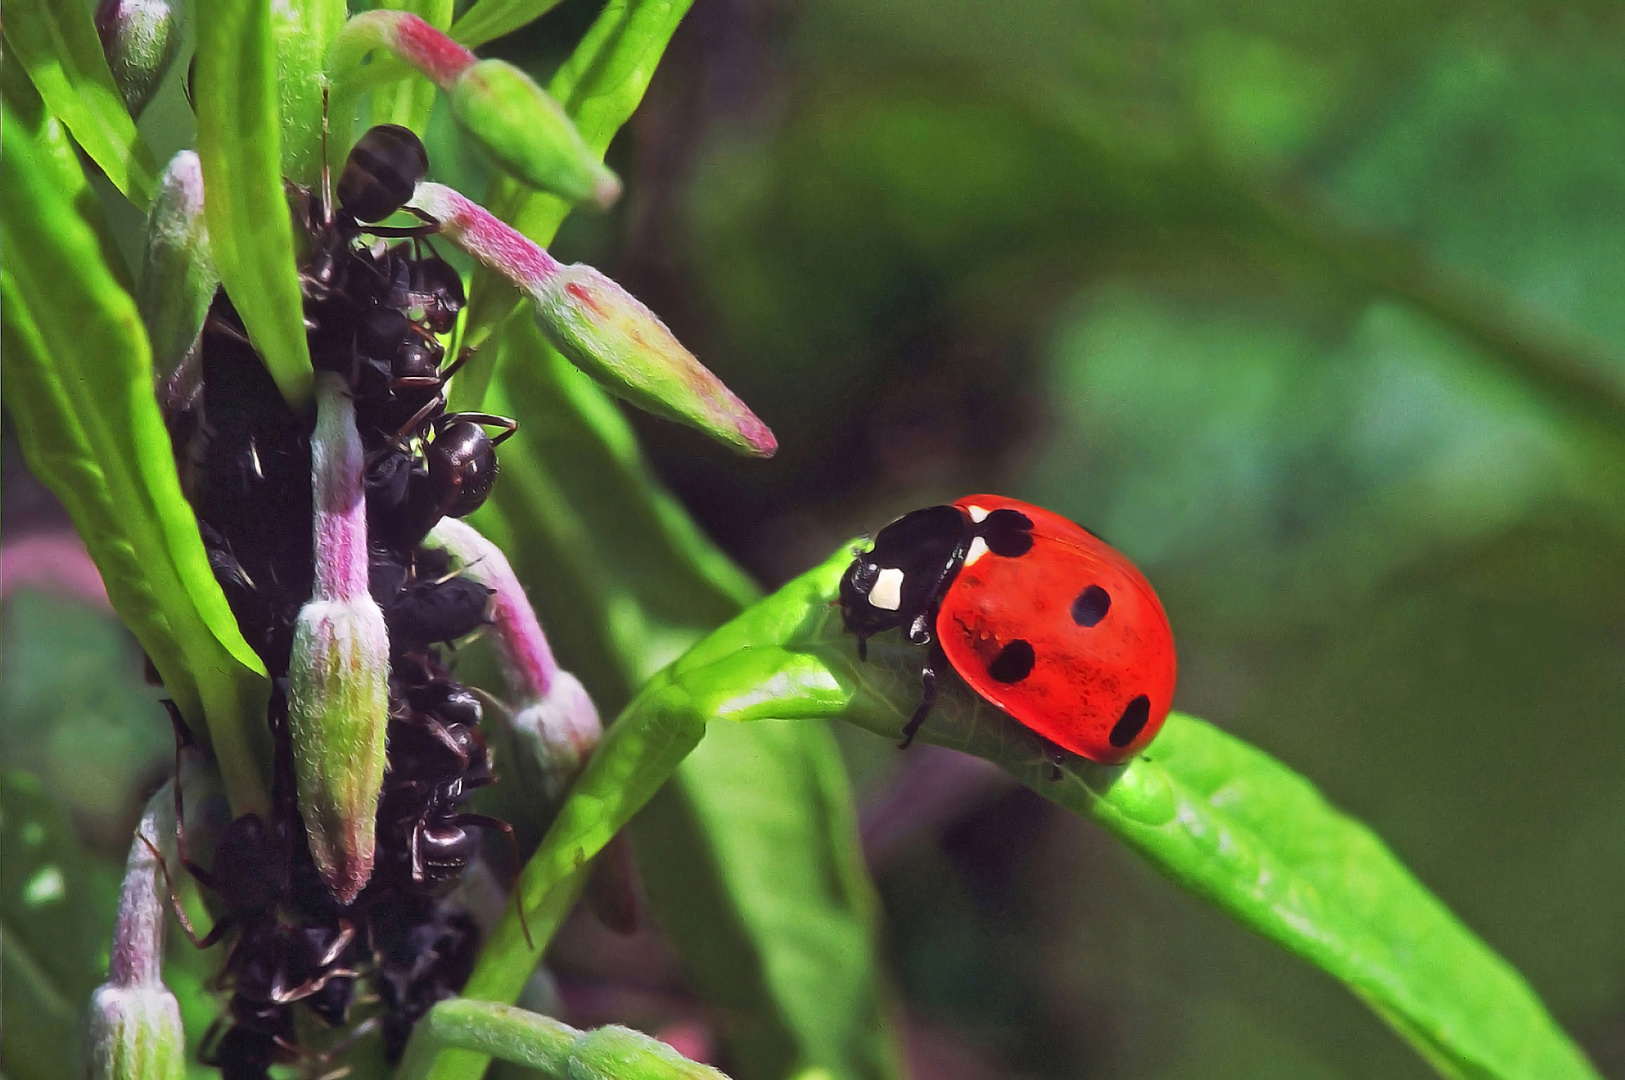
[{"x": 327, "y": 174}]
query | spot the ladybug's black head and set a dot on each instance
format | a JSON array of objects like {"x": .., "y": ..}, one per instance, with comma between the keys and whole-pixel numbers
[{"x": 901, "y": 578}]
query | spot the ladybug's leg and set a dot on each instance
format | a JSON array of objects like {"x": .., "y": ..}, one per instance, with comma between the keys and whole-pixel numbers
[{"x": 928, "y": 697}]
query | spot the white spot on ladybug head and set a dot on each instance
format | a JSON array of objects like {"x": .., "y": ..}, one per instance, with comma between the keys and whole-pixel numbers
[
  {"x": 978, "y": 548},
  {"x": 887, "y": 594},
  {"x": 976, "y": 513}
]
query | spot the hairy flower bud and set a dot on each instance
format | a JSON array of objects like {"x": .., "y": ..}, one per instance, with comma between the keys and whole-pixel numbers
[
  {"x": 178, "y": 278},
  {"x": 600, "y": 327},
  {"x": 133, "y": 1029},
  {"x": 517, "y": 123},
  {"x": 526, "y": 132},
  {"x": 556, "y": 724},
  {"x": 134, "y": 1033},
  {"x": 338, "y": 678},
  {"x": 140, "y": 38},
  {"x": 611, "y": 335}
]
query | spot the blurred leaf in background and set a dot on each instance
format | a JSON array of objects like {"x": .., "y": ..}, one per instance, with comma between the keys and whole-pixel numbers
[{"x": 1313, "y": 312}]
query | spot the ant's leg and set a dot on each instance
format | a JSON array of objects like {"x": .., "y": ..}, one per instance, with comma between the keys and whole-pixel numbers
[
  {"x": 417, "y": 850},
  {"x": 436, "y": 402},
  {"x": 327, "y": 176},
  {"x": 393, "y": 232},
  {"x": 183, "y": 740},
  {"x": 208, "y": 1049},
  {"x": 436, "y": 729},
  {"x": 483, "y": 821},
  {"x": 928, "y": 697},
  {"x": 457, "y": 365},
  {"x": 366, "y": 1027},
  {"x": 507, "y": 424},
  {"x": 219, "y": 929}
]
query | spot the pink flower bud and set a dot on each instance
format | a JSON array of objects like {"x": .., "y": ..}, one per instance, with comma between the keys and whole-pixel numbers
[
  {"x": 600, "y": 327},
  {"x": 515, "y": 121},
  {"x": 556, "y": 723},
  {"x": 140, "y": 38},
  {"x": 338, "y": 677},
  {"x": 133, "y": 1030}
]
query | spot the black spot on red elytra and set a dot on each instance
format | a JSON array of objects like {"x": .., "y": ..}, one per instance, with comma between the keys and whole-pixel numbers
[
  {"x": 1014, "y": 663},
  {"x": 1132, "y": 722},
  {"x": 1091, "y": 606},
  {"x": 1008, "y": 533}
]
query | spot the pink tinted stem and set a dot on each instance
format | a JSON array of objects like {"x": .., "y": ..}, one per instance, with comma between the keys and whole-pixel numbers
[
  {"x": 480, "y": 233},
  {"x": 519, "y": 633},
  {"x": 337, "y": 461}
]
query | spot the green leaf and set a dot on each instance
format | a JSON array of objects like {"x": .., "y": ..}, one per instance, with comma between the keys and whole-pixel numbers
[
  {"x": 56, "y": 42},
  {"x": 1223, "y": 820},
  {"x": 546, "y": 1045},
  {"x": 79, "y": 387},
  {"x": 301, "y": 31},
  {"x": 750, "y": 860},
  {"x": 600, "y": 86},
  {"x": 56, "y": 916},
  {"x": 408, "y": 101},
  {"x": 240, "y": 144},
  {"x": 490, "y": 19}
]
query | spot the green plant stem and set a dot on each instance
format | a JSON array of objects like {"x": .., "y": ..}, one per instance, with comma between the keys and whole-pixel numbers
[{"x": 544, "y": 1044}]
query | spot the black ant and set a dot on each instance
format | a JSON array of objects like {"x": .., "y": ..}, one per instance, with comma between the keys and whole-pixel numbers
[
  {"x": 448, "y": 474},
  {"x": 272, "y": 964}
]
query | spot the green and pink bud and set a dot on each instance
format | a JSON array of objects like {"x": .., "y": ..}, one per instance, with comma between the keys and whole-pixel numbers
[
  {"x": 555, "y": 723},
  {"x": 140, "y": 39},
  {"x": 600, "y": 327},
  {"x": 178, "y": 278},
  {"x": 338, "y": 679},
  {"x": 133, "y": 1030},
  {"x": 523, "y": 129}
]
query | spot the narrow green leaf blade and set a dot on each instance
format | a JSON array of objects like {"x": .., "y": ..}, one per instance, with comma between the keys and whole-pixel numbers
[
  {"x": 750, "y": 857},
  {"x": 772, "y": 913},
  {"x": 240, "y": 144},
  {"x": 81, "y": 394},
  {"x": 302, "y": 30},
  {"x": 59, "y": 453},
  {"x": 56, "y": 42},
  {"x": 490, "y": 19},
  {"x": 1221, "y": 819}
]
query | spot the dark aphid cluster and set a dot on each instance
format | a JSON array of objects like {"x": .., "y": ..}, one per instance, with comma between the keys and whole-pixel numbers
[{"x": 375, "y": 299}]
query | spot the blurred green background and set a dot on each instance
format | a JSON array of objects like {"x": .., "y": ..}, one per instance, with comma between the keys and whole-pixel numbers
[{"x": 1314, "y": 310}]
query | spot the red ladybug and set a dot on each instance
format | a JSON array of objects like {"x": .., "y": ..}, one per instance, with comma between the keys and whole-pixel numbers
[{"x": 1037, "y": 614}]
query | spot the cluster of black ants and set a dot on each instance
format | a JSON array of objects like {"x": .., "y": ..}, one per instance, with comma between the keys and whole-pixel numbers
[{"x": 373, "y": 313}]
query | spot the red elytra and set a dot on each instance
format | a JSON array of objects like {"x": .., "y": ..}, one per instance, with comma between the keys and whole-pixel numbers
[
  {"x": 1034, "y": 612},
  {"x": 1101, "y": 690}
]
